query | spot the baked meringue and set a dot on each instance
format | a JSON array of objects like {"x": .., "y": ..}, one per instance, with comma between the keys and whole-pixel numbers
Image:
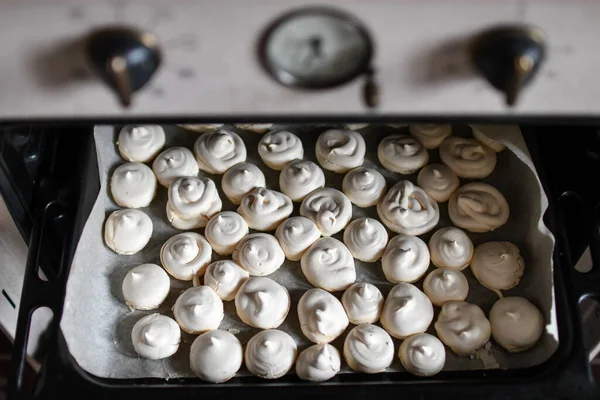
[
  {"x": 406, "y": 311},
  {"x": 216, "y": 356},
  {"x": 463, "y": 327},
  {"x": 339, "y": 150},
  {"x": 443, "y": 285},
  {"x": 224, "y": 231},
  {"x": 218, "y": 150},
  {"x": 322, "y": 316},
  {"x": 264, "y": 209},
  {"x": 439, "y": 181},
  {"x": 277, "y": 149},
  {"x": 174, "y": 163},
  {"x": 296, "y": 235},
  {"x": 127, "y": 231},
  {"x": 402, "y": 153},
  {"x": 198, "y": 310},
  {"x": 368, "y": 348},
  {"x": 318, "y": 363},
  {"x": 366, "y": 239},
  {"x": 192, "y": 202},
  {"x": 431, "y": 135},
  {"x": 405, "y": 259},
  {"x": 516, "y": 324},
  {"x": 450, "y": 248},
  {"x": 478, "y": 207},
  {"x": 363, "y": 303},
  {"x": 200, "y": 127},
  {"x": 258, "y": 128},
  {"x": 407, "y": 209},
  {"x": 133, "y": 185},
  {"x": 328, "y": 208},
  {"x": 355, "y": 127},
  {"x": 270, "y": 354},
  {"x": 468, "y": 157},
  {"x": 299, "y": 178},
  {"x": 240, "y": 180},
  {"x": 155, "y": 337},
  {"x": 145, "y": 287},
  {"x": 185, "y": 255},
  {"x": 364, "y": 186},
  {"x": 497, "y": 265},
  {"x": 225, "y": 277},
  {"x": 262, "y": 303},
  {"x": 422, "y": 354},
  {"x": 140, "y": 143},
  {"x": 479, "y": 134},
  {"x": 259, "y": 253},
  {"x": 328, "y": 264}
]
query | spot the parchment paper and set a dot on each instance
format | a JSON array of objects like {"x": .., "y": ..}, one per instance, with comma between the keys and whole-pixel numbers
[{"x": 97, "y": 324}]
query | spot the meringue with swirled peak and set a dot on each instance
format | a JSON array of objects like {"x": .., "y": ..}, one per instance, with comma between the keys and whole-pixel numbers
[
  {"x": 402, "y": 154},
  {"x": 431, "y": 135},
  {"x": 463, "y": 327},
  {"x": 479, "y": 133},
  {"x": 264, "y": 209},
  {"x": 340, "y": 150},
  {"x": 296, "y": 235},
  {"x": 192, "y": 202},
  {"x": 450, "y": 248},
  {"x": 406, "y": 311},
  {"x": 145, "y": 287},
  {"x": 299, "y": 178},
  {"x": 224, "y": 231},
  {"x": 318, "y": 363},
  {"x": 155, "y": 337},
  {"x": 364, "y": 186},
  {"x": 444, "y": 285},
  {"x": 174, "y": 163},
  {"x": 407, "y": 209},
  {"x": 218, "y": 150},
  {"x": 259, "y": 253},
  {"x": 225, "y": 277},
  {"x": 439, "y": 181},
  {"x": 277, "y": 149},
  {"x": 497, "y": 265},
  {"x": 185, "y": 255},
  {"x": 328, "y": 264},
  {"x": 405, "y": 259},
  {"x": 127, "y": 231},
  {"x": 270, "y": 354},
  {"x": 258, "y": 128},
  {"x": 329, "y": 209},
  {"x": 366, "y": 239},
  {"x": 133, "y": 185},
  {"x": 198, "y": 310},
  {"x": 422, "y": 354},
  {"x": 240, "y": 180},
  {"x": 141, "y": 143},
  {"x": 216, "y": 356},
  {"x": 469, "y": 158},
  {"x": 262, "y": 303},
  {"x": 363, "y": 303},
  {"x": 516, "y": 324},
  {"x": 478, "y": 207},
  {"x": 322, "y": 316},
  {"x": 368, "y": 348}
]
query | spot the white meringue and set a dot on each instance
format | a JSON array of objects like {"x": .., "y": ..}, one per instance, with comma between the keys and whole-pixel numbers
[
  {"x": 439, "y": 181},
  {"x": 318, "y": 363},
  {"x": 402, "y": 153},
  {"x": 225, "y": 277},
  {"x": 141, "y": 143},
  {"x": 328, "y": 264},
  {"x": 422, "y": 354},
  {"x": 479, "y": 133},
  {"x": 443, "y": 285},
  {"x": 368, "y": 348},
  {"x": 258, "y": 128},
  {"x": 478, "y": 207},
  {"x": 145, "y": 287},
  {"x": 259, "y": 253},
  {"x": 516, "y": 324},
  {"x": 262, "y": 303},
  {"x": 339, "y": 150},
  {"x": 363, "y": 303},
  {"x": 299, "y": 178},
  {"x": 463, "y": 327},
  {"x": 133, "y": 185},
  {"x": 364, "y": 186},
  {"x": 198, "y": 310},
  {"x": 450, "y": 248},
  {"x": 355, "y": 127},
  {"x": 155, "y": 337},
  {"x": 264, "y": 209},
  {"x": 322, "y": 316},
  {"x": 406, "y": 311},
  {"x": 277, "y": 149},
  {"x": 407, "y": 209},
  {"x": 174, "y": 163},
  {"x": 192, "y": 202},
  {"x": 497, "y": 265},
  {"x": 270, "y": 354},
  {"x": 216, "y": 356},
  {"x": 218, "y": 150},
  {"x": 185, "y": 255},
  {"x": 405, "y": 259},
  {"x": 296, "y": 235},
  {"x": 127, "y": 231},
  {"x": 366, "y": 239},
  {"x": 224, "y": 231},
  {"x": 431, "y": 135},
  {"x": 240, "y": 179},
  {"x": 328, "y": 208},
  {"x": 468, "y": 157}
]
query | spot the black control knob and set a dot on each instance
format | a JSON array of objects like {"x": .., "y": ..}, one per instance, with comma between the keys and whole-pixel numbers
[
  {"x": 124, "y": 58},
  {"x": 509, "y": 57}
]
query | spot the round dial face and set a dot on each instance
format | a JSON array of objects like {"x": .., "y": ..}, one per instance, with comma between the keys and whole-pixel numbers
[{"x": 316, "y": 48}]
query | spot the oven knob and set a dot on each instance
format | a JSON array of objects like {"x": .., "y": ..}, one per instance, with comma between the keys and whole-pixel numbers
[
  {"x": 509, "y": 57},
  {"x": 124, "y": 58}
]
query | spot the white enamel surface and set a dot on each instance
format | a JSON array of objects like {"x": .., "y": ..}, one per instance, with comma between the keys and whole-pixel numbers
[
  {"x": 328, "y": 208},
  {"x": 363, "y": 303},
  {"x": 402, "y": 153},
  {"x": 270, "y": 354},
  {"x": 431, "y": 135},
  {"x": 463, "y": 327},
  {"x": 318, "y": 363},
  {"x": 174, "y": 163},
  {"x": 366, "y": 239},
  {"x": 364, "y": 186},
  {"x": 299, "y": 178},
  {"x": 369, "y": 349},
  {"x": 133, "y": 185},
  {"x": 198, "y": 310},
  {"x": 450, "y": 248},
  {"x": 225, "y": 230},
  {"x": 218, "y": 150},
  {"x": 156, "y": 336},
  {"x": 192, "y": 201},
  {"x": 262, "y": 303},
  {"x": 259, "y": 253},
  {"x": 439, "y": 181},
  {"x": 240, "y": 179},
  {"x": 406, "y": 311},
  {"x": 339, "y": 150},
  {"x": 296, "y": 235},
  {"x": 517, "y": 324},
  {"x": 146, "y": 286},
  {"x": 497, "y": 265},
  {"x": 328, "y": 264},
  {"x": 322, "y": 316},
  {"x": 478, "y": 207},
  {"x": 186, "y": 255},
  {"x": 467, "y": 157},
  {"x": 422, "y": 354},
  {"x": 225, "y": 277},
  {"x": 278, "y": 149},
  {"x": 443, "y": 285},
  {"x": 140, "y": 143},
  {"x": 264, "y": 209},
  {"x": 405, "y": 259},
  {"x": 127, "y": 231},
  {"x": 216, "y": 356}
]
